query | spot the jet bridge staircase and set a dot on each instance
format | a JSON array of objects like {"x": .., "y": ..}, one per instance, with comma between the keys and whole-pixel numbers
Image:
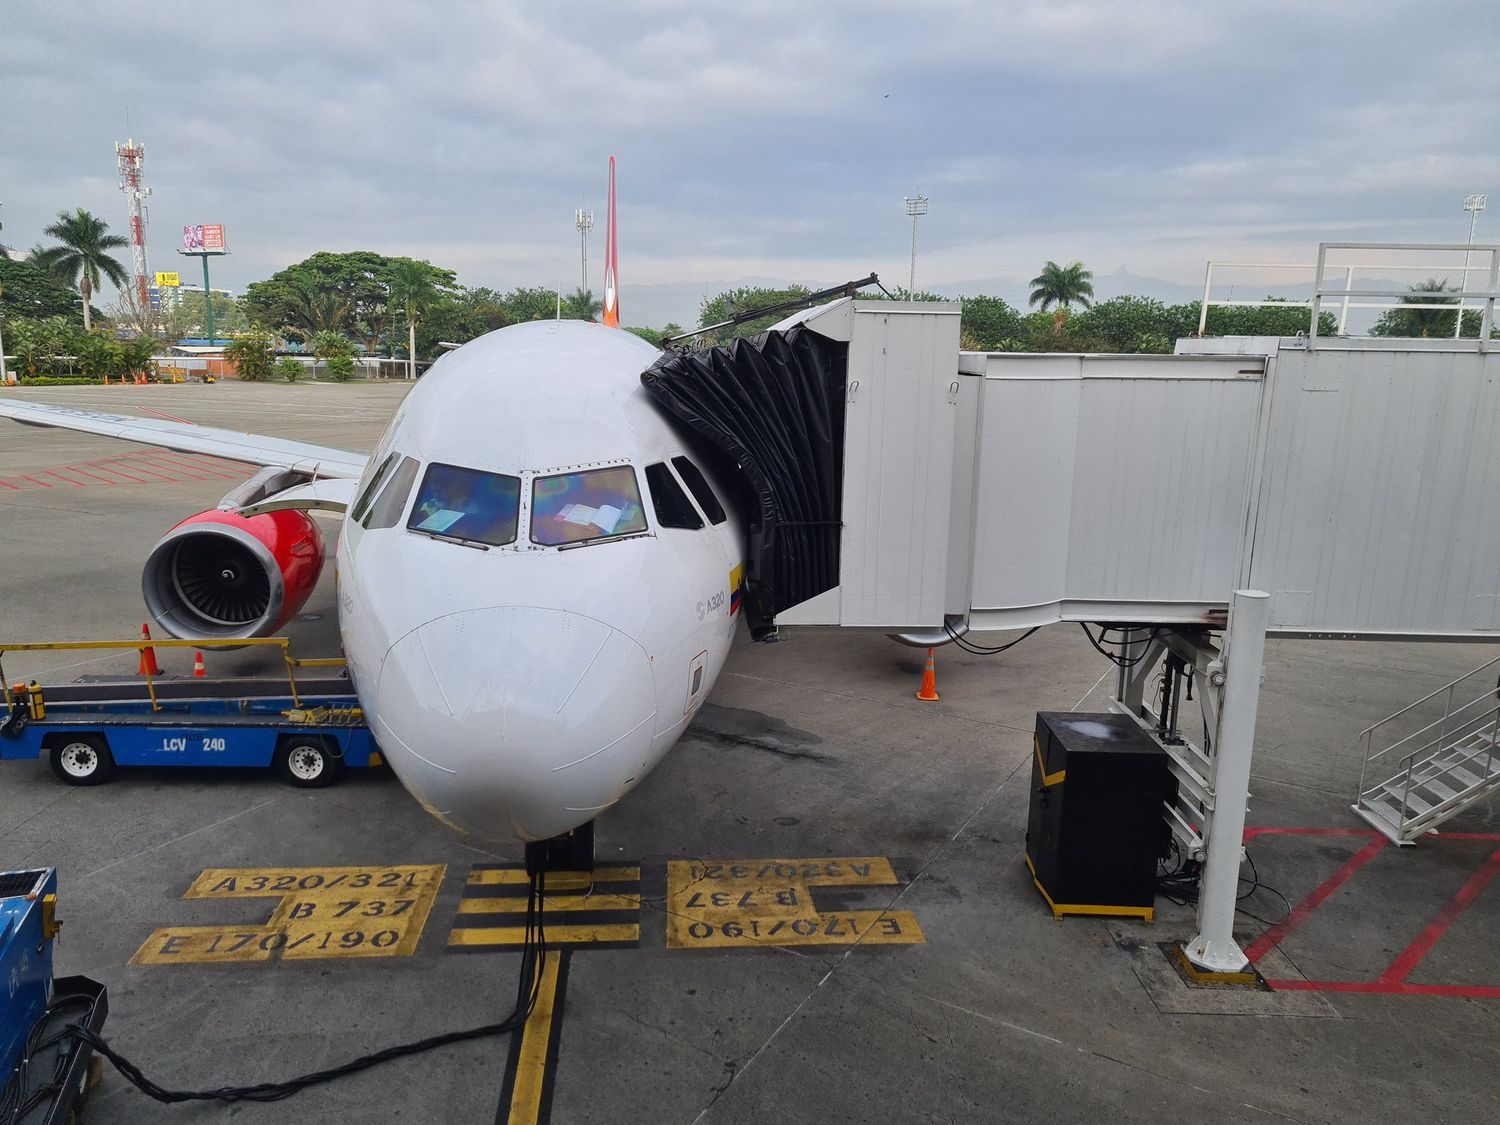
[{"x": 1438, "y": 769}]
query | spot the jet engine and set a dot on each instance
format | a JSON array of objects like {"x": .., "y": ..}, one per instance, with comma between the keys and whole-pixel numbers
[{"x": 221, "y": 575}]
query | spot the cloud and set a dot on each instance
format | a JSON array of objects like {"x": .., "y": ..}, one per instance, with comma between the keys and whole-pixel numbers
[{"x": 760, "y": 139}]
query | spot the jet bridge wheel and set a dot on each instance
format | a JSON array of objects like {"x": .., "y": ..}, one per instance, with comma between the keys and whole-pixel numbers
[
  {"x": 82, "y": 759},
  {"x": 308, "y": 762}
]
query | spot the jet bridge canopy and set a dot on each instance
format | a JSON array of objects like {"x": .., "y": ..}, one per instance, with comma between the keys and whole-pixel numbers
[{"x": 1353, "y": 483}]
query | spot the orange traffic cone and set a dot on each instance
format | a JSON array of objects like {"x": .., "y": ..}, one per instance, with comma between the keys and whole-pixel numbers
[
  {"x": 148, "y": 665},
  {"x": 928, "y": 692},
  {"x": 198, "y": 669}
]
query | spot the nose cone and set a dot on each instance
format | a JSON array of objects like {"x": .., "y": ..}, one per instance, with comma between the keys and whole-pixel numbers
[{"x": 516, "y": 723}]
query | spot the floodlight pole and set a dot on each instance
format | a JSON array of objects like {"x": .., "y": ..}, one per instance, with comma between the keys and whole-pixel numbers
[
  {"x": 915, "y": 205},
  {"x": 1473, "y": 204},
  {"x": 584, "y": 220}
]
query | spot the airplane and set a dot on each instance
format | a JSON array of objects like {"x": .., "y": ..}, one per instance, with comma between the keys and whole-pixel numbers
[{"x": 538, "y": 584}]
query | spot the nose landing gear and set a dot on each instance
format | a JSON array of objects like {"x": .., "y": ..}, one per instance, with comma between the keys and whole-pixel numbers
[{"x": 572, "y": 851}]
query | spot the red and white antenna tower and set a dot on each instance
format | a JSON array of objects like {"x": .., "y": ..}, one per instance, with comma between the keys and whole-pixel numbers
[{"x": 131, "y": 156}]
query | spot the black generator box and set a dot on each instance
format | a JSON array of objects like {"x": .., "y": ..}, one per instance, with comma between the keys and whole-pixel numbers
[{"x": 1097, "y": 826}]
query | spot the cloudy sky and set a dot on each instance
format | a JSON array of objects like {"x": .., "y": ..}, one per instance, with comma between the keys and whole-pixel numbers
[{"x": 758, "y": 140}]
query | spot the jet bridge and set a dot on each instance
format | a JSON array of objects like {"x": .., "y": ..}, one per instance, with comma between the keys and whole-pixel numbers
[{"x": 1352, "y": 484}]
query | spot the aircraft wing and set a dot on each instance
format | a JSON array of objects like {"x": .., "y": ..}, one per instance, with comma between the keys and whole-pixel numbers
[{"x": 315, "y": 461}]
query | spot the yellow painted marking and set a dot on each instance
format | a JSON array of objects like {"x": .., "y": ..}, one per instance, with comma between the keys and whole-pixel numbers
[
  {"x": 1048, "y": 779},
  {"x": 1060, "y": 910},
  {"x": 556, "y": 880},
  {"x": 323, "y": 912},
  {"x": 560, "y": 935},
  {"x": 531, "y": 1066},
  {"x": 745, "y": 904},
  {"x": 515, "y": 904}
]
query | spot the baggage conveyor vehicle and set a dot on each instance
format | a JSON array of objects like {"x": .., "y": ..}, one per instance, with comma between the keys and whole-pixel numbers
[{"x": 308, "y": 730}]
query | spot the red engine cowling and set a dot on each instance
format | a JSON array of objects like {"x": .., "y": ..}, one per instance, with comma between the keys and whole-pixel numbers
[{"x": 219, "y": 574}]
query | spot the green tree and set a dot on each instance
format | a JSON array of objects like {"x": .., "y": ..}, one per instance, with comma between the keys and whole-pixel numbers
[
  {"x": 413, "y": 292},
  {"x": 1128, "y": 324},
  {"x": 340, "y": 368},
  {"x": 522, "y": 305},
  {"x": 290, "y": 368},
  {"x": 139, "y": 356},
  {"x": 251, "y": 353},
  {"x": 989, "y": 321},
  {"x": 29, "y": 291},
  {"x": 1427, "y": 322},
  {"x": 746, "y": 298},
  {"x": 581, "y": 304},
  {"x": 99, "y": 356},
  {"x": 306, "y": 296},
  {"x": 1060, "y": 287},
  {"x": 187, "y": 317},
  {"x": 80, "y": 259}
]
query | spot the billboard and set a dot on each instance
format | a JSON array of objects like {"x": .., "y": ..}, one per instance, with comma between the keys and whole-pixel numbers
[
  {"x": 166, "y": 280},
  {"x": 203, "y": 237}
]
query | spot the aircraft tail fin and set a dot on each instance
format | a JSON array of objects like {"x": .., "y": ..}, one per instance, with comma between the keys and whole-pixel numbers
[{"x": 611, "y": 257}]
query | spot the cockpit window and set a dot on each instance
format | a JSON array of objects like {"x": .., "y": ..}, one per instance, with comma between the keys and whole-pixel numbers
[
  {"x": 596, "y": 504},
  {"x": 673, "y": 508},
  {"x": 387, "y": 509},
  {"x": 698, "y": 486},
  {"x": 362, "y": 505},
  {"x": 467, "y": 504}
]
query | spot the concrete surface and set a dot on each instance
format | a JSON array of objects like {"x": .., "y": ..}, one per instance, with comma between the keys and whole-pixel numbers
[{"x": 812, "y": 748}]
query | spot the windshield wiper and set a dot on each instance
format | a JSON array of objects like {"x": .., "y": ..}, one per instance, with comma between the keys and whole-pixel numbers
[{"x": 459, "y": 539}]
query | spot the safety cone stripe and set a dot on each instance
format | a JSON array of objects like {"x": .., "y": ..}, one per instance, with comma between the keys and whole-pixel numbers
[{"x": 198, "y": 669}]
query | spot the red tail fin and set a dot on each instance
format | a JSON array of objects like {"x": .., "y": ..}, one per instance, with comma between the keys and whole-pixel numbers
[{"x": 611, "y": 257}]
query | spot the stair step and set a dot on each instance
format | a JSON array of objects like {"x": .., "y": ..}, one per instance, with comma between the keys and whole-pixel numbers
[
  {"x": 1394, "y": 791},
  {"x": 1439, "y": 790}
]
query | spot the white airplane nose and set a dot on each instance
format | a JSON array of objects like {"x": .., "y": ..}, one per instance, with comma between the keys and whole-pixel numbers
[{"x": 515, "y": 722}]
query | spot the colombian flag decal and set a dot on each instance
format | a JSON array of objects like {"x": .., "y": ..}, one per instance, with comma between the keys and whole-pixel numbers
[{"x": 735, "y": 577}]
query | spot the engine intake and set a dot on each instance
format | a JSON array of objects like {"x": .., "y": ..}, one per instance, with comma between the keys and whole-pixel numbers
[{"x": 221, "y": 575}]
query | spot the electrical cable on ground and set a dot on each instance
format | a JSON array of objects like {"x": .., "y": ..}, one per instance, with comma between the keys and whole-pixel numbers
[
  {"x": 1180, "y": 885},
  {"x": 528, "y": 989}
]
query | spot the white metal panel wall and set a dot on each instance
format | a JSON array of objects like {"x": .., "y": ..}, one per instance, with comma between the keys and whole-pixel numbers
[
  {"x": 1112, "y": 488},
  {"x": 1379, "y": 506},
  {"x": 898, "y": 463}
]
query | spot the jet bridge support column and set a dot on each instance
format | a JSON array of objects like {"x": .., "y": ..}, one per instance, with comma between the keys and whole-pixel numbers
[{"x": 1214, "y": 948}]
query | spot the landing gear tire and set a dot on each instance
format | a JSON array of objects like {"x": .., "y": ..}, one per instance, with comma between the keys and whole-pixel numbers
[
  {"x": 82, "y": 759},
  {"x": 308, "y": 763}
]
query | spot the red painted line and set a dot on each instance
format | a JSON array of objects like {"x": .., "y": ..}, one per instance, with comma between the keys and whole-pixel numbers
[
  {"x": 138, "y": 466},
  {"x": 84, "y": 472},
  {"x": 59, "y": 476},
  {"x": 12, "y": 487},
  {"x": 38, "y": 483},
  {"x": 110, "y": 467},
  {"x": 168, "y": 417},
  {"x": 1251, "y": 833},
  {"x": 1263, "y": 944},
  {"x": 1472, "y": 991},
  {"x": 1409, "y": 957},
  {"x": 196, "y": 465}
]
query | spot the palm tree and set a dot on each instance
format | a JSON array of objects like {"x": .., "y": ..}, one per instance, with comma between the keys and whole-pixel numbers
[
  {"x": 1060, "y": 286},
  {"x": 581, "y": 304},
  {"x": 313, "y": 310},
  {"x": 81, "y": 259},
  {"x": 413, "y": 292},
  {"x": 1419, "y": 322}
]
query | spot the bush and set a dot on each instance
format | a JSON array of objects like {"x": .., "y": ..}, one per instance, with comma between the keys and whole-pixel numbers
[
  {"x": 99, "y": 356},
  {"x": 57, "y": 381},
  {"x": 340, "y": 368},
  {"x": 250, "y": 352},
  {"x": 327, "y": 345},
  {"x": 290, "y": 369}
]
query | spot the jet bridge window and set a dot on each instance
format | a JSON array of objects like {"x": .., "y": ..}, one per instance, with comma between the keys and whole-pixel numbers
[
  {"x": 467, "y": 504},
  {"x": 596, "y": 504},
  {"x": 673, "y": 508},
  {"x": 387, "y": 509},
  {"x": 693, "y": 477}
]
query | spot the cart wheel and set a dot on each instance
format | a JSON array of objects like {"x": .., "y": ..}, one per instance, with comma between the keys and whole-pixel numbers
[
  {"x": 307, "y": 763},
  {"x": 82, "y": 759}
]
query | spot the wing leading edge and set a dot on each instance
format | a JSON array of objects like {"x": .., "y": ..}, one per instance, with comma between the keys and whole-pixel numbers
[{"x": 232, "y": 445}]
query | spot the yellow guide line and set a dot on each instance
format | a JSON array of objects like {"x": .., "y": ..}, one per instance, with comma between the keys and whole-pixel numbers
[
  {"x": 531, "y": 1066},
  {"x": 556, "y": 880},
  {"x": 514, "y": 904},
  {"x": 561, "y": 935}
]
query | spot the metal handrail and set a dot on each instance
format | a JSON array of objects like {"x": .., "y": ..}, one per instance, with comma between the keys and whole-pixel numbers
[
  {"x": 1406, "y": 819},
  {"x": 1430, "y": 696},
  {"x": 1442, "y": 723},
  {"x": 283, "y": 643}
]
